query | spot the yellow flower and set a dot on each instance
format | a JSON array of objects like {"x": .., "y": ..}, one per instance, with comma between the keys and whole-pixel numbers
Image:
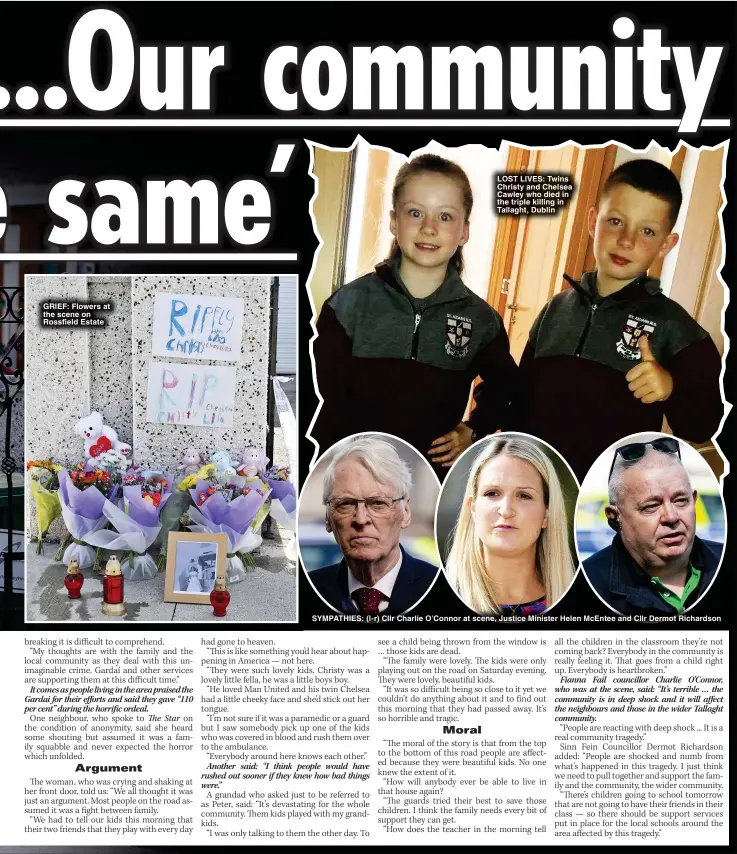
[
  {"x": 48, "y": 504},
  {"x": 42, "y": 464},
  {"x": 207, "y": 472},
  {"x": 188, "y": 482}
]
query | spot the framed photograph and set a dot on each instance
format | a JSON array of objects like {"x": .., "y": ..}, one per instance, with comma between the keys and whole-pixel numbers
[{"x": 193, "y": 562}]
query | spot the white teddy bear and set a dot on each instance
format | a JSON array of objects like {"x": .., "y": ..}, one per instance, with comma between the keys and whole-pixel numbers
[{"x": 98, "y": 437}]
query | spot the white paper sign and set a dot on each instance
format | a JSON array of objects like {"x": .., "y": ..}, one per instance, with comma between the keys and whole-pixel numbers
[
  {"x": 198, "y": 327},
  {"x": 198, "y": 395}
]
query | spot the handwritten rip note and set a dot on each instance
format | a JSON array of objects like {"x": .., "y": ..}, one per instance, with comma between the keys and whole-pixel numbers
[
  {"x": 198, "y": 327},
  {"x": 198, "y": 395}
]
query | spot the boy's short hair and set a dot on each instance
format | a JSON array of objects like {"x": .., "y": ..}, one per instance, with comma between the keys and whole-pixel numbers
[{"x": 649, "y": 176}]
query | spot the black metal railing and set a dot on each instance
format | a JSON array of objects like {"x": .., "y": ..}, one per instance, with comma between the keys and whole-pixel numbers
[{"x": 11, "y": 382}]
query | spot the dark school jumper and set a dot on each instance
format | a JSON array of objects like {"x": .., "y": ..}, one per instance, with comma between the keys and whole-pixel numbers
[
  {"x": 388, "y": 362},
  {"x": 573, "y": 392}
]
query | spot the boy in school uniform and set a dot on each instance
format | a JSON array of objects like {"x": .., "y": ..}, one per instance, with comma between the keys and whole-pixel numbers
[{"x": 612, "y": 355}]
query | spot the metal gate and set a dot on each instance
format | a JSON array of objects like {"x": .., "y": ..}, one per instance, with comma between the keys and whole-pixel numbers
[{"x": 11, "y": 498}]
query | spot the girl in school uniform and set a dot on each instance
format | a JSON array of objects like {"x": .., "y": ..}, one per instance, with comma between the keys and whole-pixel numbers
[{"x": 398, "y": 349}]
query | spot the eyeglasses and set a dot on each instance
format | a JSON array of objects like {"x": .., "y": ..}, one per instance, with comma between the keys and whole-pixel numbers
[
  {"x": 636, "y": 450},
  {"x": 376, "y": 506}
]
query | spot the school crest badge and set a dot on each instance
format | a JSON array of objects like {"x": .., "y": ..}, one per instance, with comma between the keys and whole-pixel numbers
[
  {"x": 634, "y": 329},
  {"x": 458, "y": 331}
]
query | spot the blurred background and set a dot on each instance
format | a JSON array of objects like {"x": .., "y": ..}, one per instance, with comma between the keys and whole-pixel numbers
[
  {"x": 592, "y": 530},
  {"x": 318, "y": 548},
  {"x": 454, "y": 487}
]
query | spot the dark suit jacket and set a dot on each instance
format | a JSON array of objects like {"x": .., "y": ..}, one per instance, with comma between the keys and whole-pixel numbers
[
  {"x": 414, "y": 580},
  {"x": 627, "y": 588}
]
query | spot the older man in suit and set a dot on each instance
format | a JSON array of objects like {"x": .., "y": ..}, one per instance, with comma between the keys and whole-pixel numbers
[
  {"x": 656, "y": 565},
  {"x": 366, "y": 492}
]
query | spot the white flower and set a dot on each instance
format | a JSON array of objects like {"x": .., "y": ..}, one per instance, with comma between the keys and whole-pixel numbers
[{"x": 112, "y": 461}]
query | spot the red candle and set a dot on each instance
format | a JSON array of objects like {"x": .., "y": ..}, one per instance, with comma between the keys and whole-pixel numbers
[
  {"x": 219, "y": 597},
  {"x": 74, "y": 580},
  {"x": 112, "y": 589}
]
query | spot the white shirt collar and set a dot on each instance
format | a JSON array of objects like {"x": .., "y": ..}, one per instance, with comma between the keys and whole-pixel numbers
[{"x": 385, "y": 584}]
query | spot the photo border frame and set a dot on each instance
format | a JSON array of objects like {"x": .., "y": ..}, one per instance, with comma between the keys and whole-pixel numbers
[{"x": 176, "y": 537}]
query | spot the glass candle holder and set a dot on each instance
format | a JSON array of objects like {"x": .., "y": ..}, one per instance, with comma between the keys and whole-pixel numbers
[{"x": 219, "y": 597}]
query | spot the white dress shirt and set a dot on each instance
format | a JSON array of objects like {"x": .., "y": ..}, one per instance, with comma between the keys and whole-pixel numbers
[{"x": 385, "y": 584}]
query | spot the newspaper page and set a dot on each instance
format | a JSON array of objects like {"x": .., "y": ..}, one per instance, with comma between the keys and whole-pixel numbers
[{"x": 367, "y": 424}]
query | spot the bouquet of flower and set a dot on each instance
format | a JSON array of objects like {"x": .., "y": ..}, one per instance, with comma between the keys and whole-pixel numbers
[
  {"x": 83, "y": 494},
  {"x": 83, "y": 478},
  {"x": 153, "y": 485},
  {"x": 236, "y": 509},
  {"x": 206, "y": 472},
  {"x": 145, "y": 494},
  {"x": 112, "y": 462},
  {"x": 283, "y": 496},
  {"x": 283, "y": 504},
  {"x": 44, "y": 477}
]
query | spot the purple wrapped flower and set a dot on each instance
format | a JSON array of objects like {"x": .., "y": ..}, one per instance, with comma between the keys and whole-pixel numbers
[
  {"x": 145, "y": 506},
  {"x": 284, "y": 491},
  {"x": 214, "y": 514},
  {"x": 84, "y": 514},
  {"x": 237, "y": 514},
  {"x": 137, "y": 523},
  {"x": 82, "y": 502}
]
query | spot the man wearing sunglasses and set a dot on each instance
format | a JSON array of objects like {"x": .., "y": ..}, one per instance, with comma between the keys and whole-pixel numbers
[
  {"x": 366, "y": 492},
  {"x": 656, "y": 565}
]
